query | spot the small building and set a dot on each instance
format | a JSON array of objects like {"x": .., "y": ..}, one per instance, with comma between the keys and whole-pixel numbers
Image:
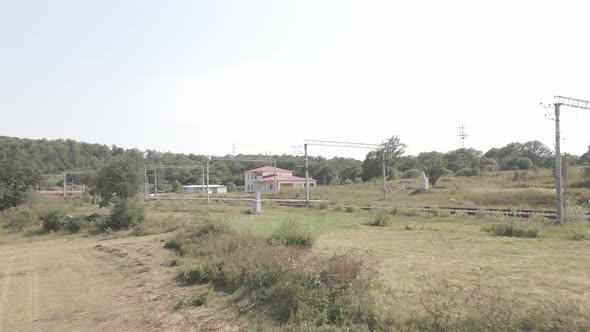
[
  {"x": 272, "y": 179},
  {"x": 202, "y": 189}
]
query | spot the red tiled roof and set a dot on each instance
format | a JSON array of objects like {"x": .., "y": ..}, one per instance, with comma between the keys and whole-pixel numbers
[
  {"x": 269, "y": 169},
  {"x": 271, "y": 178}
]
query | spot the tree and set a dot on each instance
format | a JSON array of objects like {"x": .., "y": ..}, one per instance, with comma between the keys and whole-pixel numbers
[
  {"x": 121, "y": 178},
  {"x": 390, "y": 149},
  {"x": 434, "y": 169},
  {"x": 327, "y": 175},
  {"x": 18, "y": 174}
]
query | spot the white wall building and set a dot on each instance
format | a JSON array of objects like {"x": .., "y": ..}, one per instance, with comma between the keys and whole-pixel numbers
[
  {"x": 202, "y": 189},
  {"x": 272, "y": 179}
]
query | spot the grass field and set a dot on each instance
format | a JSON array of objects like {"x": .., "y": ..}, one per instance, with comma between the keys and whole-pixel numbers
[{"x": 436, "y": 272}]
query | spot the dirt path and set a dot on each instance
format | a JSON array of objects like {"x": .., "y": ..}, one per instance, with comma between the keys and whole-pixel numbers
[{"x": 86, "y": 285}]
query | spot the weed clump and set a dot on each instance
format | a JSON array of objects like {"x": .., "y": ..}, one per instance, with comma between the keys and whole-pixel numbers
[
  {"x": 513, "y": 228},
  {"x": 15, "y": 219},
  {"x": 381, "y": 219},
  {"x": 275, "y": 278},
  {"x": 173, "y": 244},
  {"x": 293, "y": 233}
]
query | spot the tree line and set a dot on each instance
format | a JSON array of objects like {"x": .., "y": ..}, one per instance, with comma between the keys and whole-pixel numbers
[{"x": 23, "y": 162}]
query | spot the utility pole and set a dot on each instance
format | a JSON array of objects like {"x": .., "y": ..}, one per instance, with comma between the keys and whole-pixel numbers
[
  {"x": 202, "y": 181},
  {"x": 208, "y": 158},
  {"x": 384, "y": 175},
  {"x": 558, "y": 187},
  {"x": 306, "y": 177},
  {"x": 145, "y": 184},
  {"x": 571, "y": 102},
  {"x": 65, "y": 181}
]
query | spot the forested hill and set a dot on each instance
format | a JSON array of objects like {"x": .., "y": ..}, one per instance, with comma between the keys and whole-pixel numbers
[{"x": 54, "y": 156}]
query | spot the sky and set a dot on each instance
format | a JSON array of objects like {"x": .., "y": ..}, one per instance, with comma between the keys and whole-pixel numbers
[{"x": 199, "y": 76}]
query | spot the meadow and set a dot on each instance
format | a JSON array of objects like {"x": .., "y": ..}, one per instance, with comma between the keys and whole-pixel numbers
[{"x": 389, "y": 268}]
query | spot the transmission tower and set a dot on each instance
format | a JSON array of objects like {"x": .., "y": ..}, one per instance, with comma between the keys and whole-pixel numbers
[
  {"x": 462, "y": 135},
  {"x": 571, "y": 102}
]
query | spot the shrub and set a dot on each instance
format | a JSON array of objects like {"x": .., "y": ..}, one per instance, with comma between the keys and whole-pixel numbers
[
  {"x": 411, "y": 174},
  {"x": 467, "y": 172},
  {"x": 579, "y": 231},
  {"x": 17, "y": 218},
  {"x": 349, "y": 209},
  {"x": 173, "y": 244},
  {"x": 381, "y": 218},
  {"x": 72, "y": 224},
  {"x": 323, "y": 206},
  {"x": 52, "y": 220},
  {"x": 126, "y": 212},
  {"x": 200, "y": 273},
  {"x": 437, "y": 212},
  {"x": 514, "y": 228},
  {"x": 291, "y": 232},
  {"x": 406, "y": 212}
]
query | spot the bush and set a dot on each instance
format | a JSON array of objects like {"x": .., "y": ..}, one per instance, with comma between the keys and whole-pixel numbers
[
  {"x": 466, "y": 172},
  {"x": 411, "y": 174},
  {"x": 72, "y": 224},
  {"x": 381, "y": 218},
  {"x": 349, "y": 209},
  {"x": 173, "y": 244},
  {"x": 406, "y": 212},
  {"x": 514, "y": 228},
  {"x": 126, "y": 212},
  {"x": 323, "y": 206},
  {"x": 17, "y": 218},
  {"x": 52, "y": 220},
  {"x": 291, "y": 232},
  {"x": 437, "y": 212}
]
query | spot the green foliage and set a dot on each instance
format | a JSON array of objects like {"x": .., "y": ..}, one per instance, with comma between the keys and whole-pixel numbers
[
  {"x": 18, "y": 175},
  {"x": 52, "y": 220},
  {"x": 405, "y": 211},
  {"x": 293, "y": 233},
  {"x": 121, "y": 178},
  {"x": 586, "y": 174},
  {"x": 126, "y": 212},
  {"x": 391, "y": 149},
  {"x": 434, "y": 169},
  {"x": 516, "y": 163},
  {"x": 15, "y": 219},
  {"x": 349, "y": 209},
  {"x": 282, "y": 283},
  {"x": 411, "y": 174},
  {"x": 231, "y": 187},
  {"x": 176, "y": 186},
  {"x": 463, "y": 159},
  {"x": 512, "y": 228},
  {"x": 381, "y": 218},
  {"x": 173, "y": 244},
  {"x": 467, "y": 172},
  {"x": 72, "y": 224}
]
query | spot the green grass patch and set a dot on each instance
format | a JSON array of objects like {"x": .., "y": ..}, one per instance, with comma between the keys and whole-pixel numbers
[{"x": 514, "y": 228}]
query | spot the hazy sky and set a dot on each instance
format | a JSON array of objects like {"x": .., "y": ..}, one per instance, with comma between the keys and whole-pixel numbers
[{"x": 195, "y": 76}]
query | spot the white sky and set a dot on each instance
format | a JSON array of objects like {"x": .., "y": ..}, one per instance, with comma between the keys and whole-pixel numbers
[{"x": 195, "y": 76}]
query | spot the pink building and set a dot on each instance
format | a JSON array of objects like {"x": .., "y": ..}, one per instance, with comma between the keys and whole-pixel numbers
[{"x": 272, "y": 179}]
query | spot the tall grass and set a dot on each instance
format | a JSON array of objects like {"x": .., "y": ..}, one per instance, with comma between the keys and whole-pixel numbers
[{"x": 514, "y": 228}]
